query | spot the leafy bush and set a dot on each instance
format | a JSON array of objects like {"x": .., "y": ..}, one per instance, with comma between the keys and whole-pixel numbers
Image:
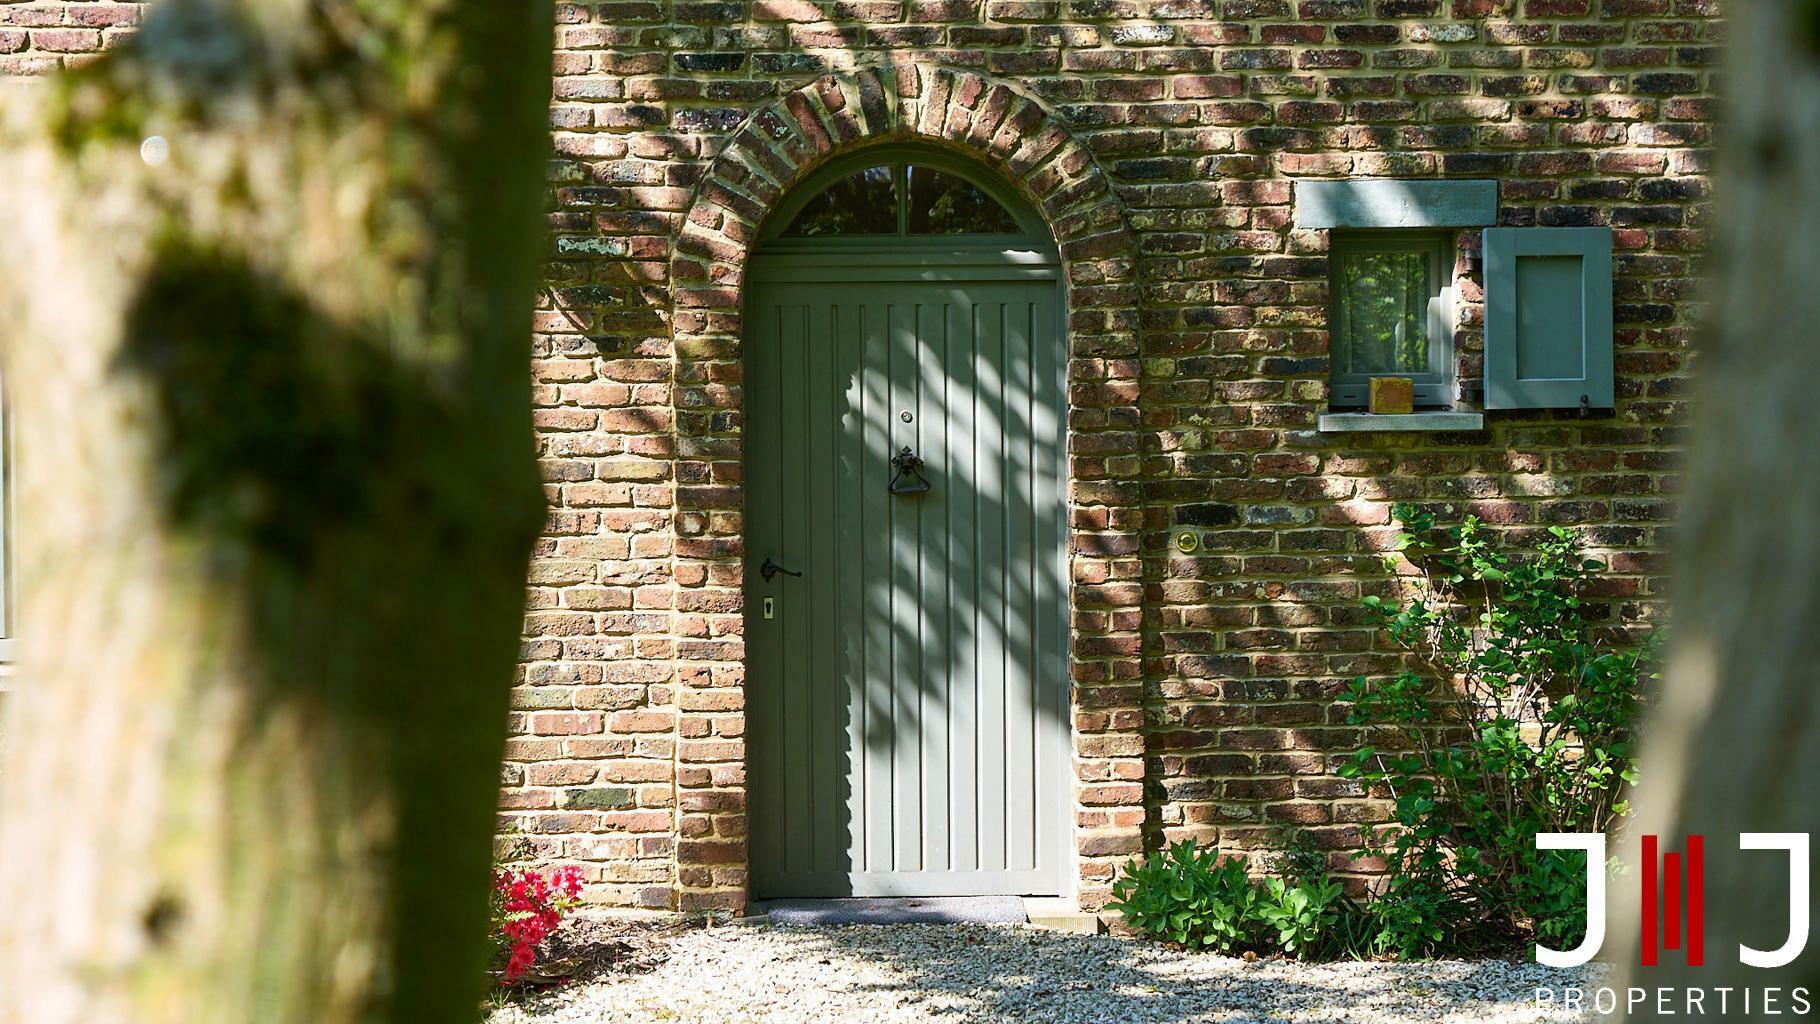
[
  {"x": 1198, "y": 899},
  {"x": 1303, "y": 914},
  {"x": 1415, "y": 915},
  {"x": 1519, "y": 722},
  {"x": 1514, "y": 719},
  {"x": 1190, "y": 897}
]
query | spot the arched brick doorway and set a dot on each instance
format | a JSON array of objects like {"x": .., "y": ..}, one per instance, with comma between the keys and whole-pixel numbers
[{"x": 778, "y": 148}]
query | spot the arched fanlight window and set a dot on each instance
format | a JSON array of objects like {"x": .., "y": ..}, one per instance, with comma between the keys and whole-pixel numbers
[{"x": 902, "y": 199}]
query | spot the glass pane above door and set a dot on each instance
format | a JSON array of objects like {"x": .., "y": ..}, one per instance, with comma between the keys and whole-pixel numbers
[
  {"x": 947, "y": 204},
  {"x": 861, "y": 204},
  {"x": 902, "y": 199}
]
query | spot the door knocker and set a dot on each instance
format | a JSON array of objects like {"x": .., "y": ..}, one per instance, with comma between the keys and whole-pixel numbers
[{"x": 909, "y": 465}]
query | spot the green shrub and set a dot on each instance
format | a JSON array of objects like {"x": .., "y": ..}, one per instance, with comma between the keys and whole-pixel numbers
[
  {"x": 1517, "y": 722},
  {"x": 1198, "y": 899},
  {"x": 1190, "y": 897},
  {"x": 1304, "y": 915},
  {"x": 1514, "y": 720},
  {"x": 1414, "y": 916},
  {"x": 1342, "y": 927}
]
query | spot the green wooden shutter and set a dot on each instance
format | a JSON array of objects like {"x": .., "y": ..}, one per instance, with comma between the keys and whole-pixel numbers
[{"x": 1548, "y": 336}]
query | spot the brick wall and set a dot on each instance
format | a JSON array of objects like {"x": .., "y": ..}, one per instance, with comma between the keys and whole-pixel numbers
[
  {"x": 1170, "y": 132},
  {"x": 40, "y": 38}
]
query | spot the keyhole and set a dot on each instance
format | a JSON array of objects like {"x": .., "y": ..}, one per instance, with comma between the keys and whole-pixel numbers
[{"x": 905, "y": 416}]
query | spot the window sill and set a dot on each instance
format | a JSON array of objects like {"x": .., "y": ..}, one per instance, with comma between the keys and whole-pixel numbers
[{"x": 1361, "y": 422}]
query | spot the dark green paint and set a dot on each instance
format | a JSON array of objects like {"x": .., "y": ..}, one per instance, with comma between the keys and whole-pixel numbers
[{"x": 1548, "y": 330}]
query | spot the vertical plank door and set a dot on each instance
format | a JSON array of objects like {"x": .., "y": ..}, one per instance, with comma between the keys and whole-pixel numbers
[{"x": 907, "y": 713}]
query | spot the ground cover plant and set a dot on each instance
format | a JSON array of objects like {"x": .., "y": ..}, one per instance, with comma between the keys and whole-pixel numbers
[
  {"x": 1513, "y": 717},
  {"x": 1196, "y": 898}
]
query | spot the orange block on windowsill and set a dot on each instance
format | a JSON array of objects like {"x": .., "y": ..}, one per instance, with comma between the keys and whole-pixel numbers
[{"x": 1392, "y": 395}]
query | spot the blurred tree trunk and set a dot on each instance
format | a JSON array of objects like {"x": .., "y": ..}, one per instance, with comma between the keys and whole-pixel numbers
[
  {"x": 276, "y": 496},
  {"x": 1735, "y": 746}
]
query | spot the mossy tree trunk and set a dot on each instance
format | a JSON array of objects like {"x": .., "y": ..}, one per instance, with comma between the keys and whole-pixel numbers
[
  {"x": 1735, "y": 746},
  {"x": 276, "y": 496}
]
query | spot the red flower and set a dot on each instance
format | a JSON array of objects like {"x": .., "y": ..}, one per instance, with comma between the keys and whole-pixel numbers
[
  {"x": 523, "y": 956},
  {"x": 529, "y": 907}
]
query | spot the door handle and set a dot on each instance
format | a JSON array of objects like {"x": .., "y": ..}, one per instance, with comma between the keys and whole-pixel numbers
[{"x": 770, "y": 569}]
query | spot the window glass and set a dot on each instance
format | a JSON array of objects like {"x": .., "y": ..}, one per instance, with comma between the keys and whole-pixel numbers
[
  {"x": 1382, "y": 325},
  {"x": 946, "y": 204},
  {"x": 863, "y": 204},
  {"x": 1390, "y": 314}
]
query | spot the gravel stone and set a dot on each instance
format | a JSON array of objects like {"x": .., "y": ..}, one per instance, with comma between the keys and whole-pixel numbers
[{"x": 895, "y": 974}]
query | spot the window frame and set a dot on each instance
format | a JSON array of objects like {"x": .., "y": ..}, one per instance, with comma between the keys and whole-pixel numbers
[
  {"x": 1033, "y": 234},
  {"x": 1434, "y": 385}
]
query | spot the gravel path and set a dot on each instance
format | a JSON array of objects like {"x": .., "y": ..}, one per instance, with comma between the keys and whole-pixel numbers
[{"x": 965, "y": 973}]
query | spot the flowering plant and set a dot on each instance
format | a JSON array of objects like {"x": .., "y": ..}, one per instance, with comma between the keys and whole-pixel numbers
[{"x": 528, "y": 906}]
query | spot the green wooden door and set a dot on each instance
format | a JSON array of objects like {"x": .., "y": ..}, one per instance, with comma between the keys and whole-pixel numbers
[{"x": 907, "y": 694}]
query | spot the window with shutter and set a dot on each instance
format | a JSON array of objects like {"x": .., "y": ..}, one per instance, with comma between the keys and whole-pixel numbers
[
  {"x": 1548, "y": 333},
  {"x": 1391, "y": 263}
]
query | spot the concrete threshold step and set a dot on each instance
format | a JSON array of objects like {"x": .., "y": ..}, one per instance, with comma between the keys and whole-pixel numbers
[{"x": 1055, "y": 913}]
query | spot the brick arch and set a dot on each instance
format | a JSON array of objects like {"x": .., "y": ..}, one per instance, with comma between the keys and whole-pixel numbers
[
  {"x": 776, "y": 148},
  {"x": 792, "y": 135}
]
